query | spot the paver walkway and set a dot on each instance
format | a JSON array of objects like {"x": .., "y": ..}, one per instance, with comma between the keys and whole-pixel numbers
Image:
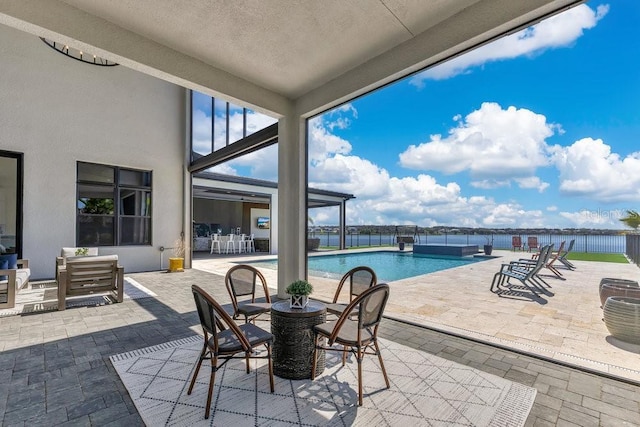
[{"x": 54, "y": 367}]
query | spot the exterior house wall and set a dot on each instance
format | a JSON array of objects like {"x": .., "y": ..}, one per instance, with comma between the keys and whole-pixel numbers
[{"x": 57, "y": 111}]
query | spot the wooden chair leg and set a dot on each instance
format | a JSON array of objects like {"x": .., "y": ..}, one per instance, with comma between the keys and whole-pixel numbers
[
  {"x": 359, "y": 375},
  {"x": 384, "y": 371},
  {"x": 197, "y": 371},
  {"x": 212, "y": 379}
]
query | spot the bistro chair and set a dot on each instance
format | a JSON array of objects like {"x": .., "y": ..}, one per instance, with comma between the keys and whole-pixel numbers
[
  {"x": 358, "y": 334},
  {"x": 225, "y": 340},
  {"x": 360, "y": 279},
  {"x": 241, "y": 281}
]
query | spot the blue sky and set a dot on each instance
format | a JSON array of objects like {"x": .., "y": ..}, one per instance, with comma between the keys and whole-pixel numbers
[{"x": 538, "y": 129}]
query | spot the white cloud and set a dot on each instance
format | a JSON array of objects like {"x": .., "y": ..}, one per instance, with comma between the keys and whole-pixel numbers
[
  {"x": 490, "y": 184},
  {"x": 561, "y": 30},
  {"x": 552, "y": 208},
  {"x": 532, "y": 182},
  {"x": 491, "y": 143},
  {"x": 588, "y": 168},
  {"x": 592, "y": 219}
]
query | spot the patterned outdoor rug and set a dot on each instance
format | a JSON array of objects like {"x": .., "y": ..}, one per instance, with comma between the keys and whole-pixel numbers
[
  {"x": 43, "y": 296},
  {"x": 425, "y": 390}
]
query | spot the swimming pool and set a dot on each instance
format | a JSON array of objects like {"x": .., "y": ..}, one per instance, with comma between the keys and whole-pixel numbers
[{"x": 388, "y": 265}]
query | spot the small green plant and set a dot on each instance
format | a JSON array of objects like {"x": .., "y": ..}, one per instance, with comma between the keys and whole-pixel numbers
[
  {"x": 82, "y": 251},
  {"x": 299, "y": 287},
  {"x": 489, "y": 239}
]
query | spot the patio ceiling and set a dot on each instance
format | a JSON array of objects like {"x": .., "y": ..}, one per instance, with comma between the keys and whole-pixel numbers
[{"x": 264, "y": 54}]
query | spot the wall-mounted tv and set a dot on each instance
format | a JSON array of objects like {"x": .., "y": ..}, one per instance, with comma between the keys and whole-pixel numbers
[{"x": 263, "y": 222}]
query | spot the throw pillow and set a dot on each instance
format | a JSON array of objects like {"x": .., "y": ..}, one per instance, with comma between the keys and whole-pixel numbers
[
  {"x": 12, "y": 259},
  {"x": 4, "y": 265}
]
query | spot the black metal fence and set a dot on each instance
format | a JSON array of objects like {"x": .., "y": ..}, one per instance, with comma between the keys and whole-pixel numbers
[
  {"x": 632, "y": 249},
  {"x": 595, "y": 243}
]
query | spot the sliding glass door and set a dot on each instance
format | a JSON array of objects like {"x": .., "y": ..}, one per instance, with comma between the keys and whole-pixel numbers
[{"x": 11, "y": 202}]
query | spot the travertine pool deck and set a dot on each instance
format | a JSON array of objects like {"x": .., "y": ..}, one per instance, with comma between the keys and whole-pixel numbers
[{"x": 566, "y": 327}]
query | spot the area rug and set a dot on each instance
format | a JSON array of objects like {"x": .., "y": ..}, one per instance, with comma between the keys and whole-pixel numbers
[
  {"x": 425, "y": 390},
  {"x": 43, "y": 296}
]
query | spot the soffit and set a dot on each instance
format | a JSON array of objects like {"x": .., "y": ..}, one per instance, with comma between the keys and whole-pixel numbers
[
  {"x": 288, "y": 47},
  {"x": 264, "y": 54}
]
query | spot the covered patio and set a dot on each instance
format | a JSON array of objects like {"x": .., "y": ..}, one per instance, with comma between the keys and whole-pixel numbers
[{"x": 56, "y": 365}]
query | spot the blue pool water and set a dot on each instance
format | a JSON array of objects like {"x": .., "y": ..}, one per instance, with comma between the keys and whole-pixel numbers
[{"x": 388, "y": 265}]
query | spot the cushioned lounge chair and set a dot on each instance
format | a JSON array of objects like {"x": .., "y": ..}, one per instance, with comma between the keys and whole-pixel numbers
[{"x": 13, "y": 278}]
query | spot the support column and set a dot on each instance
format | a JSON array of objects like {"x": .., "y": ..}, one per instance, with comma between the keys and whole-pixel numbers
[{"x": 292, "y": 205}]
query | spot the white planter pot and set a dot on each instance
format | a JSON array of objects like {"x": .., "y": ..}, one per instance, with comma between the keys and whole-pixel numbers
[{"x": 298, "y": 301}]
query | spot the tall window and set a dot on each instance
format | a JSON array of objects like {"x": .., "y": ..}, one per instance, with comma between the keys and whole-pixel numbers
[
  {"x": 113, "y": 206},
  {"x": 11, "y": 202}
]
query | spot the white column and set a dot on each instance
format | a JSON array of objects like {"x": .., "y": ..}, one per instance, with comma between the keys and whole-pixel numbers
[{"x": 292, "y": 213}]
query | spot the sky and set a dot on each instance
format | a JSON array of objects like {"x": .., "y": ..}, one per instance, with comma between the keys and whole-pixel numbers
[{"x": 537, "y": 129}]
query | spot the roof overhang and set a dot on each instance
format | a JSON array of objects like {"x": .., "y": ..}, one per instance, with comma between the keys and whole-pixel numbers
[
  {"x": 278, "y": 57},
  {"x": 215, "y": 186}
]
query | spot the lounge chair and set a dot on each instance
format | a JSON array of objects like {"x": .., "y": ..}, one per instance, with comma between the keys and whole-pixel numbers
[
  {"x": 516, "y": 242},
  {"x": 532, "y": 242},
  {"x": 525, "y": 274},
  {"x": 551, "y": 258},
  {"x": 563, "y": 256},
  {"x": 86, "y": 275},
  {"x": 14, "y": 276}
]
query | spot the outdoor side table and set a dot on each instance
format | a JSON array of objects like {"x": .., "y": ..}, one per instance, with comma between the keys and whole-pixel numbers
[{"x": 293, "y": 345}]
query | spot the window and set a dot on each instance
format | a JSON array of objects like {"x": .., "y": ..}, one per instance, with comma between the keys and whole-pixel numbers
[{"x": 113, "y": 206}]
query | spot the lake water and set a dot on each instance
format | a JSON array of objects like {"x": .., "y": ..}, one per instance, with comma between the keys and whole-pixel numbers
[{"x": 608, "y": 243}]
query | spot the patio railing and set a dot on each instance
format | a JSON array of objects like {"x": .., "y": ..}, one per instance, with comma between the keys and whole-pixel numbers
[
  {"x": 595, "y": 243},
  {"x": 632, "y": 249}
]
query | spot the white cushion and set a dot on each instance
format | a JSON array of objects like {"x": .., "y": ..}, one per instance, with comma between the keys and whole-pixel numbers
[
  {"x": 71, "y": 252},
  {"x": 85, "y": 259},
  {"x": 22, "y": 277}
]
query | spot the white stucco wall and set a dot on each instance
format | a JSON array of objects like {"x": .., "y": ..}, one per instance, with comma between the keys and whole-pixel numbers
[{"x": 58, "y": 111}]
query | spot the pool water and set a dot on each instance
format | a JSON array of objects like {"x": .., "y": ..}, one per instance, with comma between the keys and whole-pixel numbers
[{"x": 388, "y": 265}]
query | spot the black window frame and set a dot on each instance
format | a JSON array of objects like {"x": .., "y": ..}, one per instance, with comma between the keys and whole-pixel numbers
[{"x": 116, "y": 189}]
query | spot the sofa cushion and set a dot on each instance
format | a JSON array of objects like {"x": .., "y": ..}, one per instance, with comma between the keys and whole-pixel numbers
[
  {"x": 11, "y": 258},
  {"x": 71, "y": 252},
  {"x": 87, "y": 259},
  {"x": 22, "y": 278}
]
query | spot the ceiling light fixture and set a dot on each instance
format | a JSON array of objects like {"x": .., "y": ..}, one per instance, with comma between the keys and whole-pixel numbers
[{"x": 78, "y": 54}]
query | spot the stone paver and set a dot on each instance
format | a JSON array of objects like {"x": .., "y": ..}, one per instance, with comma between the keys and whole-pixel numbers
[{"x": 65, "y": 378}]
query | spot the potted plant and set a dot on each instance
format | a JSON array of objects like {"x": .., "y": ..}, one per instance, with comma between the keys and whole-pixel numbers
[
  {"x": 488, "y": 248},
  {"x": 299, "y": 293},
  {"x": 176, "y": 262}
]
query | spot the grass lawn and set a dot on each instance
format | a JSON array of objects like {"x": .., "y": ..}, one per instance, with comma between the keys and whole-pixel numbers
[{"x": 588, "y": 256}]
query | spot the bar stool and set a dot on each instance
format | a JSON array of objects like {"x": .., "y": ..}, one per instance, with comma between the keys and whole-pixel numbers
[
  {"x": 215, "y": 242},
  {"x": 231, "y": 244}
]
